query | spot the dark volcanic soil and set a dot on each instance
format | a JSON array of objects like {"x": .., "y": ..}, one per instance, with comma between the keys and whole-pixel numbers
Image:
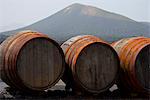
[{"x": 58, "y": 92}]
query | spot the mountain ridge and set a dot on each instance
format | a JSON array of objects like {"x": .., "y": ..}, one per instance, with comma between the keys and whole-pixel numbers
[
  {"x": 89, "y": 10},
  {"x": 76, "y": 19}
]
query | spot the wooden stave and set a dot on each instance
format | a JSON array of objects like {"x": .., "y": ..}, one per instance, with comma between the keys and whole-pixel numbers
[
  {"x": 4, "y": 46},
  {"x": 110, "y": 84},
  {"x": 87, "y": 43},
  {"x": 118, "y": 46},
  {"x": 14, "y": 60},
  {"x": 9, "y": 72},
  {"x": 24, "y": 88},
  {"x": 137, "y": 43}
]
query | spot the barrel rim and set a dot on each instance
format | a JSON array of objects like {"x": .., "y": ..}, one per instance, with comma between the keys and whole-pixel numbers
[
  {"x": 16, "y": 36},
  {"x": 28, "y": 36},
  {"x": 62, "y": 69},
  {"x": 115, "y": 78},
  {"x": 6, "y": 44},
  {"x": 76, "y": 39},
  {"x": 133, "y": 82},
  {"x": 137, "y": 79},
  {"x": 131, "y": 71}
]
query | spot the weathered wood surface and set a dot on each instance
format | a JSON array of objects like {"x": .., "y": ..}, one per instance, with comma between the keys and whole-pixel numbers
[
  {"x": 134, "y": 54},
  {"x": 142, "y": 67},
  {"x": 28, "y": 61},
  {"x": 94, "y": 64}
]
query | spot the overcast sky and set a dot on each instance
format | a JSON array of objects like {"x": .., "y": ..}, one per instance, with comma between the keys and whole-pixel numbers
[{"x": 19, "y": 13}]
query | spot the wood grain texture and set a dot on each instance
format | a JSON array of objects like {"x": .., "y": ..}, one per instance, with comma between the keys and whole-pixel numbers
[
  {"x": 142, "y": 67},
  {"x": 96, "y": 67},
  {"x": 134, "y": 62},
  {"x": 28, "y": 61},
  {"x": 92, "y": 61},
  {"x": 36, "y": 63}
]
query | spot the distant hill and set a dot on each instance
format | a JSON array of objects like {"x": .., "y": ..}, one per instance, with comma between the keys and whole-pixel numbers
[
  {"x": 146, "y": 23},
  {"x": 79, "y": 19}
]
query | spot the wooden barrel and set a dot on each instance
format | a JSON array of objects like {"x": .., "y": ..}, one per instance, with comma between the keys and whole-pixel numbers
[
  {"x": 134, "y": 54},
  {"x": 93, "y": 63},
  {"x": 31, "y": 61}
]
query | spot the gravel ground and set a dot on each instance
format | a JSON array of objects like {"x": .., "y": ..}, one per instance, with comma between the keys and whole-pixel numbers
[{"x": 58, "y": 92}]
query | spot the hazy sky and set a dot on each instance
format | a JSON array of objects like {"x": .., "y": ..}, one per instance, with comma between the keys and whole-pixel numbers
[{"x": 18, "y": 13}]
